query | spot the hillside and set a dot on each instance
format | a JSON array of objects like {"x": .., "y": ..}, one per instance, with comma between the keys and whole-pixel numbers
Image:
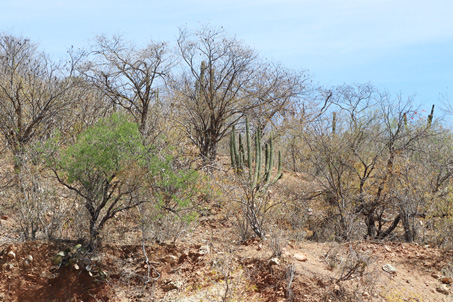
[{"x": 209, "y": 263}]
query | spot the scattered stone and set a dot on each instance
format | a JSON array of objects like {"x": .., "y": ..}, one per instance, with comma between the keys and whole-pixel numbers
[
  {"x": 26, "y": 263},
  {"x": 204, "y": 250},
  {"x": 11, "y": 255},
  {"x": 274, "y": 261},
  {"x": 337, "y": 288},
  {"x": 171, "y": 259},
  {"x": 76, "y": 266},
  {"x": 389, "y": 269},
  {"x": 446, "y": 280},
  {"x": 169, "y": 285},
  {"x": 30, "y": 258},
  {"x": 387, "y": 248},
  {"x": 61, "y": 254},
  {"x": 260, "y": 247},
  {"x": 442, "y": 288},
  {"x": 435, "y": 275},
  {"x": 366, "y": 294},
  {"x": 300, "y": 257}
]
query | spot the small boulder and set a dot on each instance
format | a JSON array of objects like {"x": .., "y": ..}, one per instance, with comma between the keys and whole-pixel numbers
[
  {"x": 204, "y": 250},
  {"x": 169, "y": 285},
  {"x": 11, "y": 255},
  {"x": 274, "y": 261},
  {"x": 171, "y": 259},
  {"x": 389, "y": 269},
  {"x": 300, "y": 257},
  {"x": 446, "y": 280},
  {"x": 442, "y": 288}
]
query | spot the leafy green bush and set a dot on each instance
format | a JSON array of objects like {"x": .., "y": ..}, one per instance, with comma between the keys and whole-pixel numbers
[{"x": 104, "y": 167}]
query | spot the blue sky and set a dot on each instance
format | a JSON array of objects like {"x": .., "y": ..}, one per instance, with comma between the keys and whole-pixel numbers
[{"x": 401, "y": 46}]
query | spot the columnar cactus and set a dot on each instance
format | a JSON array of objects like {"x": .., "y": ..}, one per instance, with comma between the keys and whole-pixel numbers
[
  {"x": 259, "y": 175},
  {"x": 256, "y": 198},
  {"x": 334, "y": 122}
]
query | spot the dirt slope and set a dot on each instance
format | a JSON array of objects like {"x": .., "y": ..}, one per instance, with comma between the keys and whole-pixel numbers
[{"x": 208, "y": 265}]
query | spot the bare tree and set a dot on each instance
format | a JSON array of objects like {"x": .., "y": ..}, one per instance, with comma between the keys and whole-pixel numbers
[
  {"x": 363, "y": 164},
  {"x": 130, "y": 76},
  {"x": 225, "y": 80},
  {"x": 279, "y": 92},
  {"x": 33, "y": 92}
]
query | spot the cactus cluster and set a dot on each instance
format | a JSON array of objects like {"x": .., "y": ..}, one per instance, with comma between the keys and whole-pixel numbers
[{"x": 259, "y": 175}]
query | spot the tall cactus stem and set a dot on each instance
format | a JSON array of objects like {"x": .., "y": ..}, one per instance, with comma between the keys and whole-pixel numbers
[
  {"x": 241, "y": 153},
  {"x": 249, "y": 144},
  {"x": 279, "y": 172},
  {"x": 334, "y": 123},
  {"x": 258, "y": 147},
  {"x": 232, "y": 147},
  {"x": 430, "y": 117}
]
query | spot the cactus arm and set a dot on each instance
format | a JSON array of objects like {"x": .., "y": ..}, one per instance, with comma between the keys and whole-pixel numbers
[
  {"x": 279, "y": 172},
  {"x": 232, "y": 155},
  {"x": 249, "y": 147},
  {"x": 430, "y": 117},
  {"x": 258, "y": 159},
  {"x": 241, "y": 153},
  {"x": 257, "y": 162}
]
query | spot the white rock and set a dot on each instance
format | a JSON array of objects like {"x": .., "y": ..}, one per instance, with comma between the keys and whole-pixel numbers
[
  {"x": 204, "y": 250},
  {"x": 11, "y": 255},
  {"x": 389, "y": 269},
  {"x": 171, "y": 259},
  {"x": 300, "y": 257},
  {"x": 274, "y": 261},
  {"x": 30, "y": 258}
]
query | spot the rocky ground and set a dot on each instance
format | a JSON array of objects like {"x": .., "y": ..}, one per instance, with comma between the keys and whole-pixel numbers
[{"x": 208, "y": 265}]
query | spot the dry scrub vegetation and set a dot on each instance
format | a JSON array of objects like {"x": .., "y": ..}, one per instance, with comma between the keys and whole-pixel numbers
[{"x": 205, "y": 173}]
